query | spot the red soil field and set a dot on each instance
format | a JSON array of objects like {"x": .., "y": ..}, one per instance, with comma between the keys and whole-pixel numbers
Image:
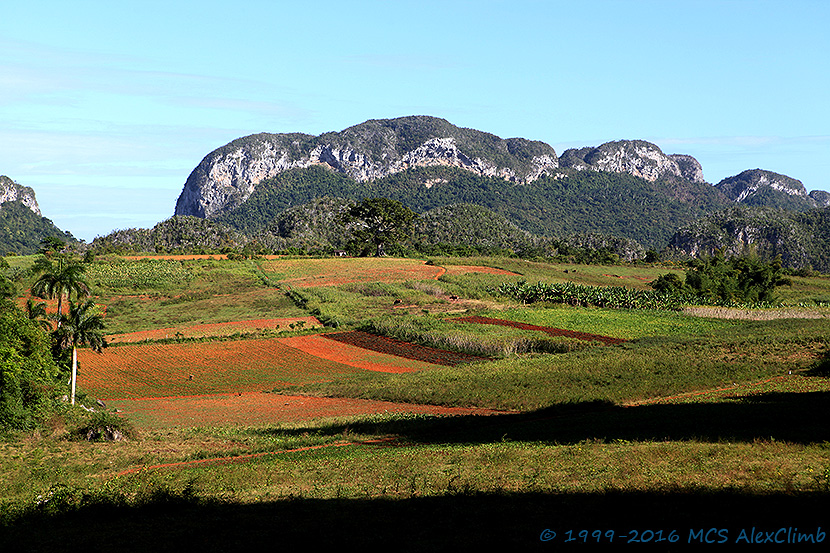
[
  {"x": 607, "y": 340},
  {"x": 341, "y": 352},
  {"x": 186, "y": 257},
  {"x": 213, "y": 329},
  {"x": 391, "y": 346},
  {"x": 262, "y": 408},
  {"x": 415, "y": 272},
  {"x": 155, "y": 370}
]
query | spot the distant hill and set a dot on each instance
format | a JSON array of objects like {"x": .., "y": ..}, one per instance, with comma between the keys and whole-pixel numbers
[
  {"x": 22, "y": 227},
  {"x": 178, "y": 233},
  {"x": 570, "y": 202},
  {"x": 756, "y": 187}
]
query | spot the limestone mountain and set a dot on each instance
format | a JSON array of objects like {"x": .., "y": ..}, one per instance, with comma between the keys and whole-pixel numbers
[
  {"x": 10, "y": 191},
  {"x": 801, "y": 238},
  {"x": 628, "y": 188},
  {"x": 369, "y": 151}
]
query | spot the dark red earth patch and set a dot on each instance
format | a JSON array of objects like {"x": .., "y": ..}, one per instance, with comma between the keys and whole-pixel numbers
[
  {"x": 607, "y": 340},
  {"x": 391, "y": 346}
]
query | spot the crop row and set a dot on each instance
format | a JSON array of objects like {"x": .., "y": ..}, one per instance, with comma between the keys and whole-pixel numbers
[
  {"x": 589, "y": 296},
  {"x": 382, "y": 344},
  {"x": 138, "y": 275}
]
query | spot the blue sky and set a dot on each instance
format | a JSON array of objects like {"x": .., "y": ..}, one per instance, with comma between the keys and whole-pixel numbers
[{"x": 106, "y": 107}]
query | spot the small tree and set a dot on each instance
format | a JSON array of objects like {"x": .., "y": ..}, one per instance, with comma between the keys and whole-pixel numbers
[
  {"x": 51, "y": 245},
  {"x": 380, "y": 222},
  {"x": 60, "y": 277},
  {"x": 82, "y": 325}
]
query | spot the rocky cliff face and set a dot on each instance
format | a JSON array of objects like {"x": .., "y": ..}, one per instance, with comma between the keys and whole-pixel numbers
[
  {"x": 756, "y": 186},
  {"x": 10, "y": 191},
  {"x": 374, "y": 149},
  {"x": 636, "y": 157}
]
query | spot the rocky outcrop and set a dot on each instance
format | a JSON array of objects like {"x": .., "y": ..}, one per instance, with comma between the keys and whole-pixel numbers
[
  {"x": 759, "y": 187},
  {"x": 10, "y": 191},
  {"x": 228, "y": 176},
  {"x": 636, "y": 157}
]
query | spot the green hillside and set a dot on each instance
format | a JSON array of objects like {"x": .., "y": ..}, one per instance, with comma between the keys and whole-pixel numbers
[
  {"x": 21, "y": 229},
  {"x": 580, "y": 202}
]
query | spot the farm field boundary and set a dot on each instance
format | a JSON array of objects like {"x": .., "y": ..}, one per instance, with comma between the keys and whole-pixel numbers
[
  {"x": 391, "y": 346},
  {"x": 608, "y": 340}
]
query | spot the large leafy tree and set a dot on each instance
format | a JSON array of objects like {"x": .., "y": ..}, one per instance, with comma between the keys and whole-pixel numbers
[
  {"x": 28, "y": 374},
  {"x": 60, "y": 277},
  {"x": 379, "y": 222},
  {"x": 82, "y": 325}
]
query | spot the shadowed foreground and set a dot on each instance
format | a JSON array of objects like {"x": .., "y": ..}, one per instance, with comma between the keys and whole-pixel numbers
[{"x": 450, "y": 522}]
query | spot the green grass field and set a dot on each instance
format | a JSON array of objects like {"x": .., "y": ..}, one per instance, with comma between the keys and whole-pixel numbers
[{"x": 691, "y": 423}]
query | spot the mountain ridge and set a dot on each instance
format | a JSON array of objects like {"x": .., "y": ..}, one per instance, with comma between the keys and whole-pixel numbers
[{"x": 379, "y": 148}]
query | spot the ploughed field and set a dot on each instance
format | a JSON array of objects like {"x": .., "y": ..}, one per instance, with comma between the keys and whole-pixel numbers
[
  {"x": 150, "y": 376},
  {"x": 190, "y": 372}
]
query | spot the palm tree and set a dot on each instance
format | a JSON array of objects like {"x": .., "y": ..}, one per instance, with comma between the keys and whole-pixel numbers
[
  {"x": 60, "y": 278},
  {"x": 82, "y": 325}
]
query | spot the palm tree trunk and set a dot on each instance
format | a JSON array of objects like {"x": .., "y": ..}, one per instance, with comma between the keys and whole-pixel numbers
[
  {"x": 74, "y": 372},
  {"x": 60, "y": 301}
]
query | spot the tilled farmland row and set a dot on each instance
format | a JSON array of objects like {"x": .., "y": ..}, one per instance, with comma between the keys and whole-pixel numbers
[{"x": 403, "y": 349}]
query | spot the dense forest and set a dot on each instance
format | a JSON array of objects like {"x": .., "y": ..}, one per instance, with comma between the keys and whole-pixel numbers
[{"x": 582, "y": 202}]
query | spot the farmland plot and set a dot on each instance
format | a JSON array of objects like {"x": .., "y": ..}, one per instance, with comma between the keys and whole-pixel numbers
[
  {"x": 330, "y": 272},
  {"x": 157, "y": 370},
  {"x": 355, "y": 356}
]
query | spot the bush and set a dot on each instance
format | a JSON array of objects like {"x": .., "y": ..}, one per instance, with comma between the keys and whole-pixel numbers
[{"x": 102, "y": 426}]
